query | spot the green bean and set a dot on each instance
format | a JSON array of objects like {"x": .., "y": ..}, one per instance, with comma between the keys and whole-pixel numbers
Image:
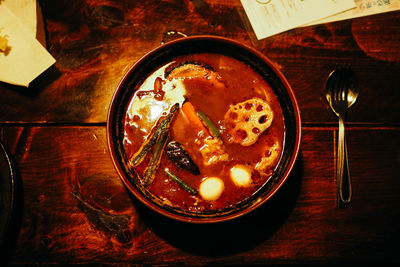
[
  {"x": 180, "y": 182},
  {"x": 139, "y": 156},
  {"x": 209, "y": 124}
]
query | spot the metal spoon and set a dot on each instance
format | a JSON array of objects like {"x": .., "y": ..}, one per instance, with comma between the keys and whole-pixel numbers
[{"x": 341, "y": 92}]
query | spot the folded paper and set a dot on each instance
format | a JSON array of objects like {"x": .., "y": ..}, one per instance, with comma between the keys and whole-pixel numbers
[
  {"x": 25, "y": 10},
  {"x": 22, "y": 57}
]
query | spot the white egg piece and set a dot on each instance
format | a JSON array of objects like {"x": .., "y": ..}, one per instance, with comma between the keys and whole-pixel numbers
[
  {"x": 211, "y": 188},
  {"x": 241, "y": 175}
]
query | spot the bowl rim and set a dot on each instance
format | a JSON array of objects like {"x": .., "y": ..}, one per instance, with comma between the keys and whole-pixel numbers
[{"x": 202, "y": 220}]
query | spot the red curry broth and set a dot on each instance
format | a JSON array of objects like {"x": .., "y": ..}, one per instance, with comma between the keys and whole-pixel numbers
[{"x": 241, "y": 83}]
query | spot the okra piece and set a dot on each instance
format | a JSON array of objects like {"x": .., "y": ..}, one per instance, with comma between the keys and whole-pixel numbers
[
  {"x": 209, "y": 124},
  {"x": 162, "y": 133},
  {"x": 139, "y": 156},
  {"x": 155, "y": 160},
  {"x": 180, "y": 182}
]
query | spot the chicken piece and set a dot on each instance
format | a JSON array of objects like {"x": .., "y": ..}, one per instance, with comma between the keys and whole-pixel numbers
[
  {"x": 270, "y": 158},
  {"x": 247, "y": 120},
  {"x": 213, "y": 151}
]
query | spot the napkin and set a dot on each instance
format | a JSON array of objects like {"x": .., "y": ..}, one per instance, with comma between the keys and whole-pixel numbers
[{"x": 22, "y": 57}]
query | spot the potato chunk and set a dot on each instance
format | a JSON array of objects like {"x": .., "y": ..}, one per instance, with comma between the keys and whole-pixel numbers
[{"x": 211, "y": 188}]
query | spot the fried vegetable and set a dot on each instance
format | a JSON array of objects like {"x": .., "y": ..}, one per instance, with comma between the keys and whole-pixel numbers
[
  {"x": 200, "y": 120},
  {"x": 192, "y": 70},
  {"x": 181, "y": 158},
  {"x": 209, "y": 124},
  {"x": 155, "y": 160},
  {"x": 190, "y": 114},
  {"x": 246, "y": 121},
  {"x": 180, "y": 182},
  {"x": 161, "y": 134},
  {"x": 139, "y": 156},
  {"x": 188, "y": 69}
]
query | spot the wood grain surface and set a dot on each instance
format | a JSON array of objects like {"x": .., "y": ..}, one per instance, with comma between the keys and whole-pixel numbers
[
  {"x": 72, "y": 207},
  {"x": 76, "y": 209},
  {"x": 95, "y": 43}
]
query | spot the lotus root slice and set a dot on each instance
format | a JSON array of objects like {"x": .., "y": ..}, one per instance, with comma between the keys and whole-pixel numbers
[{"x": 247, "y": 120}]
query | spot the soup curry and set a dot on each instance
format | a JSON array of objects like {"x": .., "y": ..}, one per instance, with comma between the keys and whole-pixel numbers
[{"x": 203, "y": 132}]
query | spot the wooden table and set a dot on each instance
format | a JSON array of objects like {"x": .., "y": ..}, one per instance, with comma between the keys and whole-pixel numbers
[{"x": 72, "y": 207}]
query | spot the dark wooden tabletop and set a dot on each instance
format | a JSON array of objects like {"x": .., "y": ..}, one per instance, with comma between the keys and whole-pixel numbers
[{"x": 72, "y": 207}]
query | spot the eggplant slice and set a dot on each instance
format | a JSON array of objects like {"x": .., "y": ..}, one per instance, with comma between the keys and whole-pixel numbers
[
  {"x": 181, "y": 158},
  {"x": 191, "y": 70}
]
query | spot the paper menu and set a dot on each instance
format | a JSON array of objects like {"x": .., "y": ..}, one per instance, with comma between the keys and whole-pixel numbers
[{"x": 270, "y": 17}]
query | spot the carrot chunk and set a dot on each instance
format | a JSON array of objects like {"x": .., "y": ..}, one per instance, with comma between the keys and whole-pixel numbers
[{"x": 190, "y": 114}]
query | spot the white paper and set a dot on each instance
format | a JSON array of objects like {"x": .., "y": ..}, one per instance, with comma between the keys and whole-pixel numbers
[
  {"x": 25, "y": 10},
  {"x": 363, "y": 8},
  {"x": 24, "y": 57},
  {"x": 270, "y": 17}
]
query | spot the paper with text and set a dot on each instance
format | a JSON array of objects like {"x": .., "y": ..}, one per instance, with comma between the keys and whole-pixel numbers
[
  {"x": 270, "y": 17},
  {"x": 363, "y": 8}
]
